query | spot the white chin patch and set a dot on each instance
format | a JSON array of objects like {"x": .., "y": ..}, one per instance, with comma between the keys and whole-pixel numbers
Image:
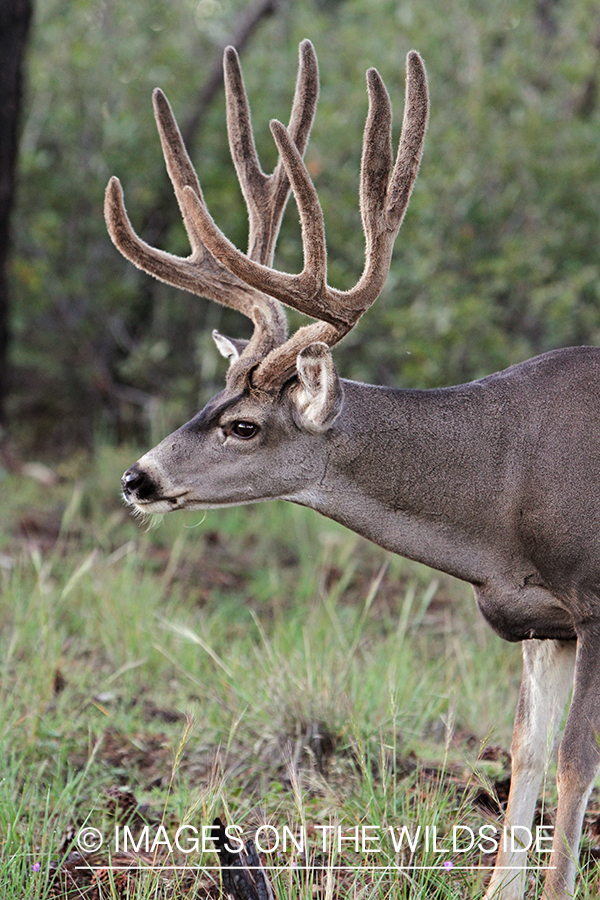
[{"x": 156, "y": 507}]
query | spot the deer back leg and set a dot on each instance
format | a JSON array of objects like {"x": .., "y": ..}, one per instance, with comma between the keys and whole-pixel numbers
[
  {"x": 546, "y": 682},
  {"x": 578, "y": 764}
]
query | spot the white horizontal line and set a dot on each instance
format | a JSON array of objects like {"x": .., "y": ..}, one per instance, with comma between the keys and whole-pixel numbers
[{"x": 310, "y": 868}]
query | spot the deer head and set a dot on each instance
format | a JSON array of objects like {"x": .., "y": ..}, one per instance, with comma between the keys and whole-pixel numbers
[{"x": 279, "y": 391}]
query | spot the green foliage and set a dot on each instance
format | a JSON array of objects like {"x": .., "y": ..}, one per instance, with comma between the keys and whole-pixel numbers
[{"x": 497, "y": 258}]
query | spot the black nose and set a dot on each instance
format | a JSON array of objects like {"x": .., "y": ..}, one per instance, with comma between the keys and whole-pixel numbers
[{"x": 136, "y": 481}]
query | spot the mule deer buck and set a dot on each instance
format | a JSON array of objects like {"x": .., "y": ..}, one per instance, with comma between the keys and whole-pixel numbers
[{"x": 495, "y": 482}]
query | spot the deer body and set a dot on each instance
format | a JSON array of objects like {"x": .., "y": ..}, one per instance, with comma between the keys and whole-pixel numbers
[
  {"x": 462, "y": 479},
  {"x": 495, "y": 482}
]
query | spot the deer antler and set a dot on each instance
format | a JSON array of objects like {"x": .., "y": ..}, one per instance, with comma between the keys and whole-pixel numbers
[
  {"x": 247, "y": 282},
  {"x": 383, "y": 203},
  {"x": 266, "y": 197}
]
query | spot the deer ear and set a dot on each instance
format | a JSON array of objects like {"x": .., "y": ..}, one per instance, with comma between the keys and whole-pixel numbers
[
  {"x": 230, "y": 348},
  {"x": 318, "y": 396}
]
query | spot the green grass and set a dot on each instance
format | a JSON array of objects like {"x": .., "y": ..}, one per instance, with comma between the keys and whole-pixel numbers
[{"x": 261, "y": 664}]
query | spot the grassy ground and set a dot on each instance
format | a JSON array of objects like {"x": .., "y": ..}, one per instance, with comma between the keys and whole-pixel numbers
[{"x": 260, "y": 664}]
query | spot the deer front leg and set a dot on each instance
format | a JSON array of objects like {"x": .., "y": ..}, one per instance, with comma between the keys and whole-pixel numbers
[
  {"x": 578, "y": 763},
  {"x": 547, "y": 679}
]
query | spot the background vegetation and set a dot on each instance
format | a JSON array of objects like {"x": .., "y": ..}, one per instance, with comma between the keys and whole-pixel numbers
[
  {"x": 262, "y": 664},
  {"x": 326, "y": 680},
  {"x": 497, "y": 259}
]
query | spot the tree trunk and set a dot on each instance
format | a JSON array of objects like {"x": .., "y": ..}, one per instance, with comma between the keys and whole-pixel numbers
[{"x": 15, "y": 17}]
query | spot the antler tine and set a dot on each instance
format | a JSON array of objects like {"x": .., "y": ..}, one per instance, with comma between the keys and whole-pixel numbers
[
  {"x": 383, "y": 202},
  {"x": 414, "y": 126},
  {"x": 164, "y": 266},
  {"x": 179, "y": 165},
  {"x": 266, "y": 195}
]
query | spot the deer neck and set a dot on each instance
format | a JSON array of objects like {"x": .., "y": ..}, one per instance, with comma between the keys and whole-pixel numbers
[{"x": 414, "y": 472}]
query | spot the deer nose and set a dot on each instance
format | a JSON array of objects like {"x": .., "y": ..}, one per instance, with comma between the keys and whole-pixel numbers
[{"x": 136, "y": 481}]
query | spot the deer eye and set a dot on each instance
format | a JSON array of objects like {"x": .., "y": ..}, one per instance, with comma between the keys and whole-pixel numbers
[{"x": 243, "y": 429}]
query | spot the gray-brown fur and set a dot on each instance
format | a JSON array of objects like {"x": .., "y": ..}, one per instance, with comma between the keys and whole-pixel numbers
[{"x": 495, "y": 482}]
